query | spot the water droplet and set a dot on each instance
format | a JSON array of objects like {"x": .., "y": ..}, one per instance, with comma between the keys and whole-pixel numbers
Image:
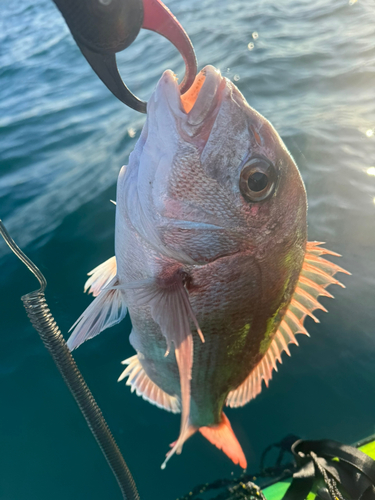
[
  {"x": 105, "y": 2},
  {"x": 250, "y": 46},
  {"x": 371, "y": 171},
  {"x": 236, "y": 78},
  {"x": 255, "y": 35},
  {"x": 228, "y": 70},
  {"x": 369, "y": 132},
  {"x": 131, "y": 132}
]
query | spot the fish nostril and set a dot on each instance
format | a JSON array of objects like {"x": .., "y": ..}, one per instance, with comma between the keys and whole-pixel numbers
[{"x": 258, "y": 138}]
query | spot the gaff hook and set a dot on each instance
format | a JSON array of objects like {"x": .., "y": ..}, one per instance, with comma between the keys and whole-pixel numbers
[{"x": 103, "y": 27}]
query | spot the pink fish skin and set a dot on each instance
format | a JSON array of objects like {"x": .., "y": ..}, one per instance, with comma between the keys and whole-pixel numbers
[{"x": 210, "y": 247}]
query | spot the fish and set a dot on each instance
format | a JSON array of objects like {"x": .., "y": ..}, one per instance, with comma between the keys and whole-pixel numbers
[{"x": 211, "y": 258}]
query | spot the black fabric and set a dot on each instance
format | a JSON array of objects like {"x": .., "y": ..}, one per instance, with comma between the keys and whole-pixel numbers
[
  {"x": 352, "y": 475},
  {"x": 299, "y": 489},
  {"x": 369, "y": 494},
  {"x": 331, "y": 449}
]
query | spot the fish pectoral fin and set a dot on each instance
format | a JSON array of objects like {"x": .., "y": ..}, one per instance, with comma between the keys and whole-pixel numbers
[
  {"x": 170, "y": 306},
  {"x": 106, "y": 310},
  {"x": 223, "y": 437},
  {"x": 141, "y": 383},
  {"x": 171, "y": 309},
  {"x": 100, "y": 276},
  {"x": 316, "y": 274}
]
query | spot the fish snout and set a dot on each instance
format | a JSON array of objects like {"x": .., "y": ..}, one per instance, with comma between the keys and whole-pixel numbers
[{"x": 194, "y": 112}]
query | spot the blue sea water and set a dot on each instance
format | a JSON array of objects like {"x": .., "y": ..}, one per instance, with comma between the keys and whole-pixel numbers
[{"x": 309, "y": 67}]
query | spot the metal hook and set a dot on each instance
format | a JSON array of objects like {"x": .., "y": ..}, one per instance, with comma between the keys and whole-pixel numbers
[{"x": 101, "y": 28}]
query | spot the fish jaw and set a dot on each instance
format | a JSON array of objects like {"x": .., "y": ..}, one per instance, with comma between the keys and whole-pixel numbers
[{"x": 193, "y": 108}]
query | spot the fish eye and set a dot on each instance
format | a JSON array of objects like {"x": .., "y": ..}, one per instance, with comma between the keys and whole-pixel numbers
[{"x": 258, "y": 179}]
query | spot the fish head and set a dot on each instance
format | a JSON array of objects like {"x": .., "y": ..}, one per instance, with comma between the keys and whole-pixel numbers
[{"x": 210, "y": 176}]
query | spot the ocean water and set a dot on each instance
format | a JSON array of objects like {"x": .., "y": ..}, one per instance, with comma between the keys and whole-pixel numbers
[{"x": 309, "y": 67}]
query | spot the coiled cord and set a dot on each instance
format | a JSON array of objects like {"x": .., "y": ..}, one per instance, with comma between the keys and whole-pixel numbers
[{"x": 44, "y": 323}]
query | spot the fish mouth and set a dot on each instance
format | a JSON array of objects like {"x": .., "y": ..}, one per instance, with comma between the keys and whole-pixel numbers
[
  {"x": 204, "y": 96},
  {"x": 198, "y": 106}
]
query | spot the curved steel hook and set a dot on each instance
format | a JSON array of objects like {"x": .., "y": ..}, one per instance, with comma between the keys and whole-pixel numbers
[{"x": 101, "y": 28}]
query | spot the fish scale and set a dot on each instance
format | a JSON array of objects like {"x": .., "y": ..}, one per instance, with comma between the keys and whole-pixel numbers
[{"x": 212, "y": 258}]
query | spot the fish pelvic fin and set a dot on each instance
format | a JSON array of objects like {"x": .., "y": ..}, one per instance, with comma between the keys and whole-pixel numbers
[
  {"x": 176, "y": 447},
  {"x": 316, "y": 274},
  {"x": 220, "y": 435},
  {"x": 100, "y": 276},
  {"x": 106, "y": 310},
  {"x": 141, "y": 383},
  {"x": 184, "y": 357},
  {"x": 223, "y": 437},
  {"x": 171, "y": 309}
]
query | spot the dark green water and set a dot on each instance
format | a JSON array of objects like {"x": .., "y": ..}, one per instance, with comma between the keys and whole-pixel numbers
[{"x": 63, "y": 139}]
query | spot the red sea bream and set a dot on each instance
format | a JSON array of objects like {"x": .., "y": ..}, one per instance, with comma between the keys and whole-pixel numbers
[{"x": 212, "y": 260}]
